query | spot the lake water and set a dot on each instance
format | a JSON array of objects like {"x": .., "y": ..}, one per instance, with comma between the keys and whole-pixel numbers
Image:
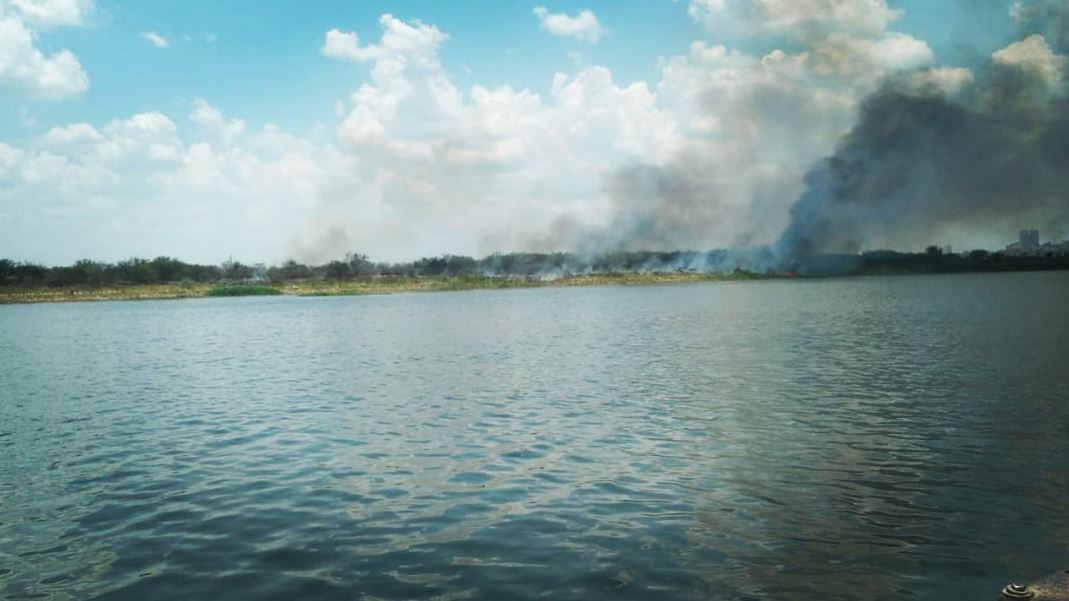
[{"x": 863, "y": 438}]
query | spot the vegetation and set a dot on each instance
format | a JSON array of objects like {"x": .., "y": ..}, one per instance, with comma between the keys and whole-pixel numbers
[
  {"x": 165, "y": 277},
  {"x": 343, "y": 287},
  {"x": 355, "y": 267},
  {"x": 243, "y": 290},
  {"x": 932, "y": 260},
  {"x": 935, "y": 260}
]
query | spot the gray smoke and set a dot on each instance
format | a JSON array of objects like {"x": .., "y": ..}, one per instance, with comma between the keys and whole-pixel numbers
[
  {"x": 923, "y": 163},
  {"x": 1049, "y": 18},
  {"x": 919, "y": 164},
  {"x": 675, "y": 206}
]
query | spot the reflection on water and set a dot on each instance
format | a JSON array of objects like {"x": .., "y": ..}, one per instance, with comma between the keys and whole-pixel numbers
[{"x": 861, "y": 438}]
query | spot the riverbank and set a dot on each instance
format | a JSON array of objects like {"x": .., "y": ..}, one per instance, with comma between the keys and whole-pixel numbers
[{"x": 354, "y": 287}]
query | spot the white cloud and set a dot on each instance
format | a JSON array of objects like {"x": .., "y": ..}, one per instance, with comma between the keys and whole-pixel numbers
[
  {"x": 1034, "y": 54},
  {"x": 28, "y": 71},
  {"x": 414, "y": 40},
  {"x": 868, "y": 58},
  {"x": 155, "y": 39},
  {"x": 1020, "y": 12},
  {"x": 948, "y": 81},
  {"x": 50, "y": 12},
  {"x": 419, "y": 166},
  {"x": 423, "y": 167},
  {"x": 9, "y": 156},
  {"x": 583, "y": 26},
  {"x": 212, "y": 122},
  {"x": 71, "y": 135},
  {"x": 134, "y": 186},
  {"x": 437, "y": 169},
  {"x": 344, "y": 45},
  {"x": 803, "y": 19}
]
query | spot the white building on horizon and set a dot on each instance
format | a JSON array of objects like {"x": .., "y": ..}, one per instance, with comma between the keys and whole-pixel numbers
[{"x": 1028, "y": 245}]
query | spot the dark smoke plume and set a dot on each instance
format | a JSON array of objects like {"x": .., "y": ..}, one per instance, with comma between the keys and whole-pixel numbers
[
  {"x": 919, "y": 164},
  {"x": 915, "y": 166}
]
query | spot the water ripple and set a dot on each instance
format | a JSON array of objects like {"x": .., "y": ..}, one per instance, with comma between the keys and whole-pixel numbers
[{"x": 745, "y": 441}]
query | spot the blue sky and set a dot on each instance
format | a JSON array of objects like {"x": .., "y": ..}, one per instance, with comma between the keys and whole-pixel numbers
[
  {"x": 459, "y": 127},
  {"x": 262, "y": 60}
]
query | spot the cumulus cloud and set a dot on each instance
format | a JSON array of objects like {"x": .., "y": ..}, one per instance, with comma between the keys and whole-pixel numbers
[
  {"x": 71, "y": 135},
  {"x": 24, "y": 68},
  {"x": 155, "y": 39},
  {"x": 212, "y": 122},
  {"x": 712, "y": 154},
  {"x": 583, "y": 26},
  {"x": 800, "y": 19},
  {"x": 421, "y": 167},
  {"x": 868, "y": 58},
  {"x": 344, "y": 45},
  {"x": 941, "y": 81},
  {"x": 1033, "y": 55},
  {"x": 411, "y": 40},
  {"x": 148, "y": 189},
  {"x": 51, "y": 12},
  {"x": 436, "y": 168}
]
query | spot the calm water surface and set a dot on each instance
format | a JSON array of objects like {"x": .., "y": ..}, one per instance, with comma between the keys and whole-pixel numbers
[{"x": 886, "y": 438}]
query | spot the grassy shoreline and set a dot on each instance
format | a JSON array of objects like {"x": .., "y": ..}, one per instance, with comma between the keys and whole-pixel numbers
[{"x": 356, "y": 287}]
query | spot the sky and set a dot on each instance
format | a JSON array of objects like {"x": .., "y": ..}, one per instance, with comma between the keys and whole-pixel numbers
[{"x": 267, "y": 130}]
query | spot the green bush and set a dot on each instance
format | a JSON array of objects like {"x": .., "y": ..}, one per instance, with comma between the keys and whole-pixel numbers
[{"x": 243, "y": 291}]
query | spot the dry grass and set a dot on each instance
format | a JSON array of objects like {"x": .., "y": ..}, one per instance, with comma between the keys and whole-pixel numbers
[
  {"x": 377, "y": 285},
  {"x": 9, "y": 295}
]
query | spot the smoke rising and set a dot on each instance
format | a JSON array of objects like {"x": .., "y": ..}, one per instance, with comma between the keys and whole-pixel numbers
[
  {"x": 751, "y": 125},
  {"x": 916, "y": 166},
  {"x": 921, "y": 163},
  {"x": 924, "y": 155}
]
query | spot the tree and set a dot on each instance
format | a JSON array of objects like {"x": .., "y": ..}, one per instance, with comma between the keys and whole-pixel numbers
[
  {"x": 288, "y": 271},
  {"x": 7, "y": 271},
  {"x": 136, "y": 271},
  {"x": 359, "y": 265},
  {"x": 170, "y": 270},
  {"x": 30, "y": 273},
  {"x": 236, "y": 271},
  {"x": 336, "y": 270}
]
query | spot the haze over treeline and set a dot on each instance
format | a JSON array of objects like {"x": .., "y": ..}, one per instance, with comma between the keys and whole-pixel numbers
[
  {"x": 354, "y": 265},
  {"x": 922, "y": 161},
  {"x": 538, "y": 266}
]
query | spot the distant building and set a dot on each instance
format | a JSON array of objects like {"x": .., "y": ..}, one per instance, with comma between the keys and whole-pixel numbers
[
  {"x": 1028, "y": 245},
  {"x": 1029, "y": 238}
]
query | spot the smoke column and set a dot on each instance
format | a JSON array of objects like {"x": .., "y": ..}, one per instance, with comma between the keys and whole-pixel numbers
[
  {"x": 925, "y": 160},
  {"x": 920, "y": 163}
]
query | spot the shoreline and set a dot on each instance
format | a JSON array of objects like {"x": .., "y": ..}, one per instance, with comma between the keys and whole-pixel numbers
[
  {"x": 381, "y": 285},
  {"x": 355, "y": 287}
]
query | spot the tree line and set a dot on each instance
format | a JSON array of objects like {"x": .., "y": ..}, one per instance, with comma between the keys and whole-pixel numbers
[
  {"x": 354, "y": 265},
  {"x": 171, "y": 270}
]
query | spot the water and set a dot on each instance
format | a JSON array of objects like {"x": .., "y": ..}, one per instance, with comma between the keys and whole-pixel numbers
[{"x": 883, "y": 438}]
